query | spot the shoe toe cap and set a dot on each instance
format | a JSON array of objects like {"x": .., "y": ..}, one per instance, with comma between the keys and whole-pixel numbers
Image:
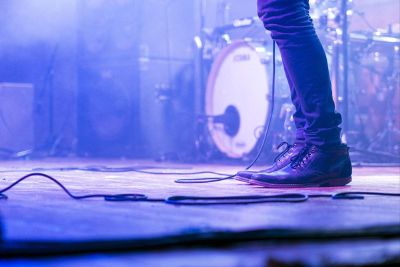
[{"x": 245, "y": 174}]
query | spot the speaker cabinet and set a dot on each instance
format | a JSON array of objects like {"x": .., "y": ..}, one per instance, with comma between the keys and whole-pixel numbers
[
  {"x": 131, "y": 55},
  {"x": 108, "y": 108},
  {"x": 108, "y": 78}
]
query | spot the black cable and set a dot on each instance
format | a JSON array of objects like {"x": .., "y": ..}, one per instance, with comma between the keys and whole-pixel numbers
[
  {"x": 360, "y": 195},
  {"x": 181, "y": 200},
  {"x": 269, "y": 121},
  {"x": 267, "y": 127},
  {"x": 177, "y": 200},
  {"x": 139, "y": 169},
  {"x": 108, "y": 197},
  {"x": 155, "y": 173},
  {"x": 101, "y": 168},
  {"x": 199, "y": 200},
  {"x": 250, "y": 199},
  {"x": 202, "y": 180},
  {"x": 285, "y": 198}
]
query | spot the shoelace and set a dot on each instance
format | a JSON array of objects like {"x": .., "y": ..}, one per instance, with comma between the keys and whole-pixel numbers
[
  {"x": 301, "y": 158},
  {"x": 282, "y": 154}
]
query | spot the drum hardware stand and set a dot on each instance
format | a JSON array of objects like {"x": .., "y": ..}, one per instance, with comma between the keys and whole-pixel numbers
[
  {"x": 339, "y": 18},
  {"x": 389, "y": 129},
  {"x": 287, "y": 112},
  {"x": 392, "y": 84},
  {"x": 383, "y": 145},
  {"x": 51, "y": 142},
  {"x": 203, "y": 36},
  {"x": 345, "y": 54},
  {"x": 199, "y": 76},
  {"x": 344, "y": 9}
]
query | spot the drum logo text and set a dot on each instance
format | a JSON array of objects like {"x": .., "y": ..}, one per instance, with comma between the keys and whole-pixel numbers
[{"x": 241, "y": 57}]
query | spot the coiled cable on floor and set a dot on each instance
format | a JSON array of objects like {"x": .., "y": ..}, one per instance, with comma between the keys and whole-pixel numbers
[
  {"x": 132, "y": 197},
  {"x": 202, "y": 200}
]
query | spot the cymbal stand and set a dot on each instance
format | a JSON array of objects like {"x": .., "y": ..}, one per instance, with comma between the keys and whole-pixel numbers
[{"x": 345, "y": 56}]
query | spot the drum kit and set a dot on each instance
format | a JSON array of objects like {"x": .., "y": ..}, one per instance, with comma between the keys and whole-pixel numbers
[{"x": 237, "y": 97}]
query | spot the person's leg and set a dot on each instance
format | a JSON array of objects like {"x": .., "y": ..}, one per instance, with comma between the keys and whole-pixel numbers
[
  {"x": 290, "y": 151},
  {"x": 284, "y": 158},
  {"x": 324, "y": 161},
  {"x": 306, "y": 66},
  {"x": 298, "y": 116}
]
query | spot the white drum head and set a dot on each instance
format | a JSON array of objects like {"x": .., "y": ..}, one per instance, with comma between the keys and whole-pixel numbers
[{"x": 238, "y": 79}]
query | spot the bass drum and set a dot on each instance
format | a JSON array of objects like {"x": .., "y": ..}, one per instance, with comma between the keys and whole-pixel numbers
[{"x": 238, "y": 97}]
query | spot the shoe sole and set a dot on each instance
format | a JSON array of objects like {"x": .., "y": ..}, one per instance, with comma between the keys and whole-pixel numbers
[
  {"x": 242, "y": 179},
  {"x": 329, "y": 183}
]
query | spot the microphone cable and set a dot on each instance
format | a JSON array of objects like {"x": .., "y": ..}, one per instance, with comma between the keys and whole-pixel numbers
[
  {"x": 205, "y": 200},
  {"x": 267, "y": 127}
]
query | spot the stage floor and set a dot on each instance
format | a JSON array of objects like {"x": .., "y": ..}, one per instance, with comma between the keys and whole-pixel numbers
[{"x": 38, "y": 210}]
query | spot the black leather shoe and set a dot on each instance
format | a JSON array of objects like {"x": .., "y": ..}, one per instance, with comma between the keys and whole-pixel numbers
[
  {"x": 312, "y": 167},
  {"x": 281, "y": 161}
]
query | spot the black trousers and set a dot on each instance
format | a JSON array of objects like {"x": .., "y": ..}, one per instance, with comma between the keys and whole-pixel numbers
[{"x": 306, "y": 69}]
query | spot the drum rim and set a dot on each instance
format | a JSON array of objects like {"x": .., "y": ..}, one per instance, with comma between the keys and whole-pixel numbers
[{"x": 214, "y": 72}]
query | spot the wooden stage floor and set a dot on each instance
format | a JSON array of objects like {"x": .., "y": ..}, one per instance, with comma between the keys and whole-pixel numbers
[{"x": 38, "y": 210}]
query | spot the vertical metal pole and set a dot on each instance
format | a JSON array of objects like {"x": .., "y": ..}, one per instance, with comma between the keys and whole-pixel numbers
[
  {"x": 345, "y": 51},
  {"x": 198, "y": 59},
  {"x": 198, "y": 62}
]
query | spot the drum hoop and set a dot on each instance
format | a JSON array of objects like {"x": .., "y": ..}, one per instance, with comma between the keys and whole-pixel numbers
[
  {"x": 214, "y": 72},
  {"x": 216, "y": 66}
]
